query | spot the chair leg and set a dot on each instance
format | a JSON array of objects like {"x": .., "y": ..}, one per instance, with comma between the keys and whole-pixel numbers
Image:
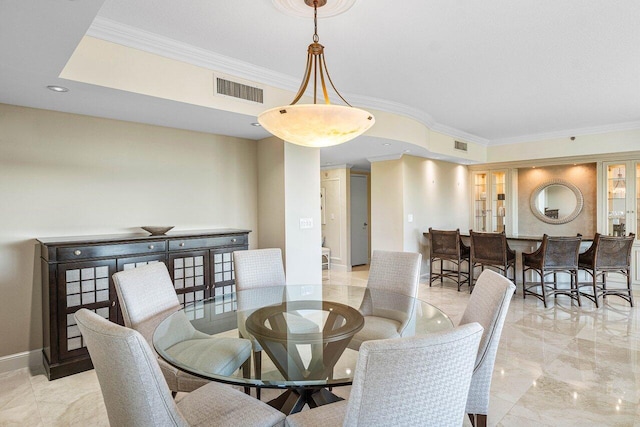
[
  {"x": 543, "y": 290},
  {"x": 472, "y": 418},
  {"x": 246, "y": 373},
  {"x": 481, "y": 420},
  {"x": 629, "y": 287},
  {"x": 174, "y": 394},
  {"x": 257, "y": 367}
]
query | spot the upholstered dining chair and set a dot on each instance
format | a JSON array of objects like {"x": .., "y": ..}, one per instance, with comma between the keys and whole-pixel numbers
[
  {"x": 385, "y": 315},
  {"x": 607, "y": 254},
  {"x": 554, "y": 255},
  {"x": 147, "y": 296},
  {"x": 487, "y": 306},
  {"x": 262, "y": 268},
  {"x": 412, "y": 381},
  {"x": 135, "y": 393},
  {"x": 491, "y": 250},
  {"x": 447, "y": 246}
]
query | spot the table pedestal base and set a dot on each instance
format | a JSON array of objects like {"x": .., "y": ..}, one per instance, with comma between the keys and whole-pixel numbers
[{"x": 293, "y": 400}]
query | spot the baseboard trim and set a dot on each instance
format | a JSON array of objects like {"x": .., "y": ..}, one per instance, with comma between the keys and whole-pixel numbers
[{"x": 27, "y": 359}]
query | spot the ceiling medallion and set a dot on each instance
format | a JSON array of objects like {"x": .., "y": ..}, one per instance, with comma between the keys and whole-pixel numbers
[
  {"x": 316, "y": 125},
  {"x": 300, "y": 8}
]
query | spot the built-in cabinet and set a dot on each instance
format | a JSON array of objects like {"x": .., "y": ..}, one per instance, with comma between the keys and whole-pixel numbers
[
  {"x": 76, "y": 273},
  {"x": 621, "y": 189},
  {"x": 492, "y": 201}
]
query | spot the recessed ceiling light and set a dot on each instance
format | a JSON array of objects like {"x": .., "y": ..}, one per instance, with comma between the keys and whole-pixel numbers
[
  {"x": 58, "y": 88},
  {"x": 256, "y": 124},
  {"x": 386, "y": 144}
]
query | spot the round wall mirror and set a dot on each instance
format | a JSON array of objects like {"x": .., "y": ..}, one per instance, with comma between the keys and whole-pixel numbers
[{"x": 556, "y": 202}]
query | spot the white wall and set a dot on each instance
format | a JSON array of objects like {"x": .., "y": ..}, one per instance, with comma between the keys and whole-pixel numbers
[
  {"x": 302, "y": 200},
  {"x": 67, "y": 175}
]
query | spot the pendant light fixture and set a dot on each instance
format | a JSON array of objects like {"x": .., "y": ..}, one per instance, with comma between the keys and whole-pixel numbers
[
  {"x": 619, "y": 186},
  {"x": 316, "y": 125}
]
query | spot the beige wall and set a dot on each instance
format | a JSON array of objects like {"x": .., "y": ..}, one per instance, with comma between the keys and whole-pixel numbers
[
  {"x": 65, "y": 175},
  {"x": 336, "y": 183},
  {"x": 583, "y": 176},
  {"x": 271, "y": 193},
  {"x": 434, "y": 192}
]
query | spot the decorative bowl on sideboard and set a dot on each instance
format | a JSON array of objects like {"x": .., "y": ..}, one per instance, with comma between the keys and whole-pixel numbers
[{"x": 157, "y": 231}]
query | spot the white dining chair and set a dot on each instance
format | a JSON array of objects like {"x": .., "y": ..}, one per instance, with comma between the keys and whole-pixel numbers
[
  {"x": 263, "y": 269},
  {"x": 412, "y": 381},
  {"x": 147, "y": 296},
  {"x": 487, "y": 306},
  {"x": 136, "y": 394},
  {"x": 388, "y": 303}
]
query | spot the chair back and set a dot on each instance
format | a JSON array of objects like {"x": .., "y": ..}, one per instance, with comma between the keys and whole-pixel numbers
[
  {"x": 488, "y": 248},
  {"x": 258, "y": 267},
  {"x": 144, "y": 293},
  {"x": 444, "y": 244},
  {"x": 430, "y": 380},
  {"x": 560, "y": 252},
  {"x": 134, "y": 390},
  {"x": 487, "y": 306},
  {"x": 613, "y": 252},
  {"x": 395, "y": 272}
]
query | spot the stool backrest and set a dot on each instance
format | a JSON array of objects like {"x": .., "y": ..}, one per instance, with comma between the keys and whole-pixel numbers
[
  {"x": 488, "y": 248},
  {"x": 444, "y": 244},
  {"x": 613, "y": 252},
  {"x": 560, "y": 252}
]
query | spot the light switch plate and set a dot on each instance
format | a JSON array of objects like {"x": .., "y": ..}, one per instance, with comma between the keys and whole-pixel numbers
[
  {"x": 410, "y": 217},
  {"x": 306, "y": 223}
]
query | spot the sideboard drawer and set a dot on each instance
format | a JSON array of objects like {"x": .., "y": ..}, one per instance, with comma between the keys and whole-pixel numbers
[
  {"x": 209, "y": 242},
  {"x": 103, "y": 251}
]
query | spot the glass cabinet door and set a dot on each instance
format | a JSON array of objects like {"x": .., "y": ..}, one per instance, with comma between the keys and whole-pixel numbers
[
  {"x": 616, "y": 199},
  {"x": 637, "y": 200},
  {"x": 480, "y": 201},
  {"x": 498, "y": 202}
]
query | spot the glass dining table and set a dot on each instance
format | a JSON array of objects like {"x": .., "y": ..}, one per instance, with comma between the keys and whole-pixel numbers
[{"x": 305, "y": 333}]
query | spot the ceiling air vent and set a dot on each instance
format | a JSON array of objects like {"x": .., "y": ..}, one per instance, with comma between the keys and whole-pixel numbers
[
  {"x": 238, "y": 90},
  {"x": 459, "y": 145}
]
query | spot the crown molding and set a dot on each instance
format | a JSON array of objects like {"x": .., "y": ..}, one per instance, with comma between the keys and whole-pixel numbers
[
  {"x": 593, "y": 130},
  {"x": 384, "y": 158}
]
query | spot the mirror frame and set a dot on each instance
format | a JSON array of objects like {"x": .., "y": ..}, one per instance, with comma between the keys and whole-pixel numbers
[{"x": 542, "y": 217}]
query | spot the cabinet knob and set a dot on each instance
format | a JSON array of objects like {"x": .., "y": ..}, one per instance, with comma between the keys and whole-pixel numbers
[
  {"x": 113, "y": 303},
  {"x": 151, "y": 246},
  {"x": 234, "y": 240},
  {"x": 181, "y": 244},
  {"x": 77, "y": 252}
]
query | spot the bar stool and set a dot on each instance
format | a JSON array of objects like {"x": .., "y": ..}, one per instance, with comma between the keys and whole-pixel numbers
[
  {"x": 607, "y": 254},
  {"x": 555, "y": 255},
  {"x": 448, "y": 246},
  {"x": 491, "y": 250}
]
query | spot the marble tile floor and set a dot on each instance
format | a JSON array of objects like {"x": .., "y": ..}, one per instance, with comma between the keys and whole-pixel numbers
[{"x": 560, "y": 366}]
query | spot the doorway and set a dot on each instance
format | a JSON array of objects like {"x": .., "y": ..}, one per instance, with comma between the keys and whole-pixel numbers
[{"x": 359, "y": 219}]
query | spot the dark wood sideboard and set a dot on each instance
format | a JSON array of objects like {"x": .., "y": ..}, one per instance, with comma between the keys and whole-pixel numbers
[{"x": 76, "y": 273}]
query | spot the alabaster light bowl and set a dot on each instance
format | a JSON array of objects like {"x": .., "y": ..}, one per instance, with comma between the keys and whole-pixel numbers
[{"x": 157, "y": 231}]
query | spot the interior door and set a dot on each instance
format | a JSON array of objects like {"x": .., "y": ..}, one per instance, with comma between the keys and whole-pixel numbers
[{"x": 359, "y": 220}]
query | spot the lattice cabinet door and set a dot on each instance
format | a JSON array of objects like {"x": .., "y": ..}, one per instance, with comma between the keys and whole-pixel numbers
[
  {"x": 83, "y": 285},
  {"x": 189, "y": 272},
  {"x": 223, "y": 280}
]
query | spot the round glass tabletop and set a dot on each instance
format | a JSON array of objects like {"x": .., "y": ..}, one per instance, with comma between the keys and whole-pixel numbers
[{"x": 308, "y": 334}]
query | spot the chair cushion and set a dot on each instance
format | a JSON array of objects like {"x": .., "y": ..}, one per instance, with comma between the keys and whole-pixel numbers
[
  {"x": 375, "y": 328},
  {"x": 332, "y": 415},
  {"x": 218, "y": 404},
  {"x": 216, "y": 355}
]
